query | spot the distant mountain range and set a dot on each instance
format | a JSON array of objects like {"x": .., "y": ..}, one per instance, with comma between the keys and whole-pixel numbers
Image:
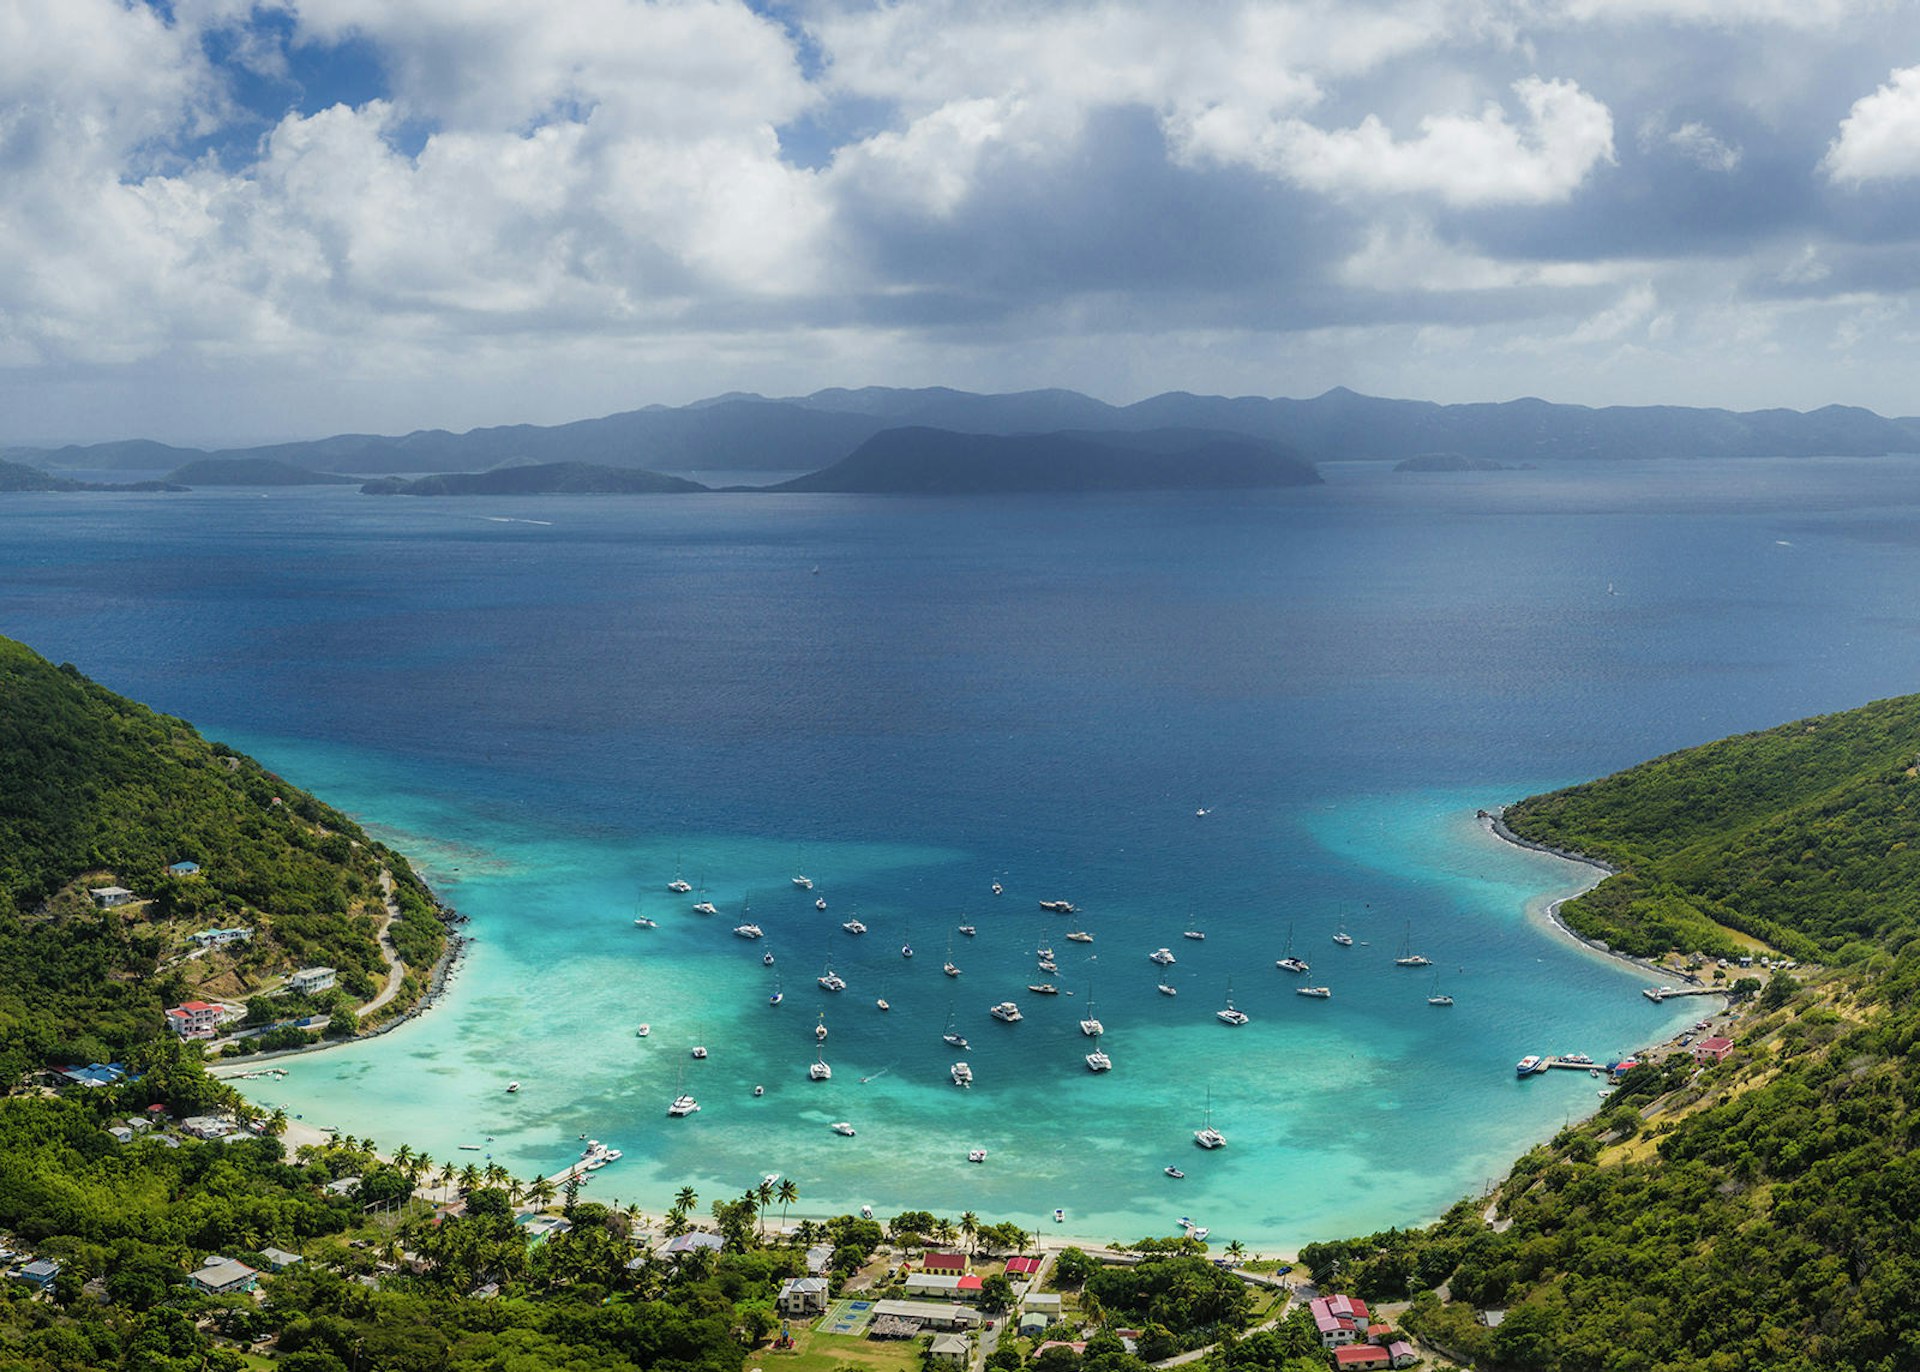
[
  {"x": 809, "y": 433},
  {"x": 943, "y": 462}
]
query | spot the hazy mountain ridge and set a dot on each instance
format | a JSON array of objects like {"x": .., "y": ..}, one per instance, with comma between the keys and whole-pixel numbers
[
  {"x": 750, "y": 432},
  {"x": 928, "y": 461}
]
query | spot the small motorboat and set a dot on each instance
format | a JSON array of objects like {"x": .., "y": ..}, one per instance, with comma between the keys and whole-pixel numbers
[
  {"x": 643, "y": 1031},
  {"x": 1166, "y": 990},
  {"x": 950, "y": 969},
  {"x": 1079, "y": 936},
  {"x": 1174, "y": 1172},
  {"x": 854, "y": 926},
  {"x": 1163, "y": 956},
  {"x": 961, "y": 1073},
  {"x": 842, "y": 1128},
  {"x": 996, "y": 888},
  {"x": 977, "y": 1155},
  {"x": 819, "y": 902},
  {"x": 866, "y": 1212},
  {"x": 1059, "y": 1216},
  {"x": 881, "y": 1004},
  {"x": 759, "y": 1091},
  {"x": 954, "y": 1040},
  {"x": 968, "y": 930},
  {"x": 644, "y": 923},
  {"x": 906, "y": 950},
  {"x": 1043, "y": 988},
  {"x": 699, "y": 1052},
  {"x": 512, "y": 1086}
]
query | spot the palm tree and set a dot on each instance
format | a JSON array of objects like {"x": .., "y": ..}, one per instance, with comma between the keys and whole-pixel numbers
[
  {"x": 277, "y": 1123},
  {"x": 684, "y": 1199},
  {"x": 469, "y": 1178},
  {"x": 944, "y": 1231},
  {"x": 969, "y": 1229},
  {"x": 403, "y": 1157},
  {"x": 540, "y": 1192},
  {"x": 764, "y": 1194},
  {"x": 495, "y": 1175},
  {"x": 788, "y": 1193},
  {"x": 421, "y": 1166},
  {"x": 447, "y": 1173},
  {"x": 1236, "y": 1250}
]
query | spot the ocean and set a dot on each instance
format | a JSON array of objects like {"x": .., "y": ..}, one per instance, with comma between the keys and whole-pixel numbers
[{"x": 556, "y": 705}]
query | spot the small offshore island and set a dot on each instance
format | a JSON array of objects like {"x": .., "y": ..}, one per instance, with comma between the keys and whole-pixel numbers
[{"x": 1739, "y": 1201}]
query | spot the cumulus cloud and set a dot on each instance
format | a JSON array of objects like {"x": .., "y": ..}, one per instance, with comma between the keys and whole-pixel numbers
[
  {"x": 1483, "y": 159},
  {"x": 1879, "y": 140},
  {"x": 1703, "y": 147}
]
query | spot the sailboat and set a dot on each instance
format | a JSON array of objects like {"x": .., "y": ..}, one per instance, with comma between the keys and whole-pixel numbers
[
  {"x": 950, "y": 1037},
  {"x": 906, "y": 944},
  {"x": 679, "y": 885},
  {"x": 1343, "y": 938},
  {"x": 778, "y": 995},
  {"x": 1207, "y": 1136},
  {"x": 820, "y": 1029},
  {"x": 1434, "y": 997},
  {"x": 683, "y": 1104},
  {"x": 1290, "y": 963},
  {"x": 1091, "y": 1026},
  {"x": 819, "y": 1071},
  {"x": 1191, "y": 931},
  {"x": 1409, "y": 958},
  {"x": 948, "y": 966},
  {"x": 640, "y": 921},
  {"x": 1231, "y": 1016},
  {"x": 830, "y": 980}
]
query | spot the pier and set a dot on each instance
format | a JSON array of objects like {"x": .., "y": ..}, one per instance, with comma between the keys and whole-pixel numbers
[
  {"x": 1656, "y": 994},
  {"x": 1572, "y": 1064}
]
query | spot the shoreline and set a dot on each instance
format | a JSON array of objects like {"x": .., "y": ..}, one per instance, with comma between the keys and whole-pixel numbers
[{"x": 439, "y": 982}]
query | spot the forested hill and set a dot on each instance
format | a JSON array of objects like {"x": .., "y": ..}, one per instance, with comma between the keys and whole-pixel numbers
[
  {"x": 97, "y": 791},
  {"x": 1753, "y": 1212},
  {"x": 1806, "y": 836},
  {"x": 924, "y": 461}
]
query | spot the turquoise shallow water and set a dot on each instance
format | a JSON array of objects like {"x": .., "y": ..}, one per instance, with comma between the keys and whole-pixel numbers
[{"x": 556, "y": 704}]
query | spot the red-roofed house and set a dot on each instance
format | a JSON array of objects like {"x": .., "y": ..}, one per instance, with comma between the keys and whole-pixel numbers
[
  {"x": 194, "y": 1019},
  {"x": 1362, "y": 1355},
  {"x": 1713, "y": 1049},
  {"x": 968, "y": 1287},
  {"x": 1022, "y": 1267},
  {"x": 1377, "y": 1333},
  {"x": 943, "y": 1262},
  {"x": 1340, "y": 1319}
]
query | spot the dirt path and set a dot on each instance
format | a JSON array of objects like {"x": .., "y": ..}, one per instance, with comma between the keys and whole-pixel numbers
[{"x": 396, "y": 969}]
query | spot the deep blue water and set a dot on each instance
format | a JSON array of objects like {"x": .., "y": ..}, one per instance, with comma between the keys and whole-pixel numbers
[{"x": 557, "y": 701}]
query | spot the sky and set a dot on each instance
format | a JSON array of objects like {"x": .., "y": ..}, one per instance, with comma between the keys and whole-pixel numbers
[{"x": 238, "y": 220}]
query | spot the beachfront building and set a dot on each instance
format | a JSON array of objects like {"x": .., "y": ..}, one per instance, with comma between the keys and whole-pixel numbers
[
  {"x": 219, "y": 938},
  {"x": 219, "y": 1276},
  {"x": 106, "y": 897},
  {"x": 196, "y": 1019},
  {"x": 93, "y": 1074},
  {"x": 942, "y": 1286},
  {"x": 952, "y": 1263},
  {"x": 819, "y": 1259},
  {"x": 801, "y": 1298},
  {"x": 308, "y": 980},
  {"x": 1022, "y": 1269},
  {"x": 206, "y": 1126},
  {"x": 1340, "y": 1319}
]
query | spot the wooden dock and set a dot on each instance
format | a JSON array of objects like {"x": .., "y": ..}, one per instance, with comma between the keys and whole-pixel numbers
[
  {"x": 1656, "y": 994},
  {"x": 1576, "y": 1064}
]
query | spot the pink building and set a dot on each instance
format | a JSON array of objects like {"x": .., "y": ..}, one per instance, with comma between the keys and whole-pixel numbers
[
  {"x": 1341, "y": 1320},
  {"x": 195, "y": 1019},
  {"x": 1712, "y": 1050}
]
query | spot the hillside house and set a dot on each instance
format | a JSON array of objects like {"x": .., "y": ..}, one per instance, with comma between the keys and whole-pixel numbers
[
  {"x": 309, "y": 980},
  {"x": 1340, "y": 1320},
  {"x": 107, "y": 897},
  {"x": 219, "y": 1276}
]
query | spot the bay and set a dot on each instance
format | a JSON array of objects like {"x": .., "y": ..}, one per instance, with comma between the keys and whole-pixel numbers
[{"x": 557, "y": 704}]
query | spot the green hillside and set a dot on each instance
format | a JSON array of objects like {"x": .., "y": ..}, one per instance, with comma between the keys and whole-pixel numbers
[
  {"x": 1803, "y": 836},
  {"x": 1755, "y": 1212},
  {"x": 96, "y": 791}
]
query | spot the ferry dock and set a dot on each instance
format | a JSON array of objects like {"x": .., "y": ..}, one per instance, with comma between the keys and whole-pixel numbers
[{"x": 1656, "y": 994}]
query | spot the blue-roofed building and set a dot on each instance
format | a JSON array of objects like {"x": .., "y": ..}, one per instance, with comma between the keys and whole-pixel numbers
[
  {"x": 39, "y": 1273},
  {"x": 93, "y": 1074},
  {"x": 183, "y": 869}
]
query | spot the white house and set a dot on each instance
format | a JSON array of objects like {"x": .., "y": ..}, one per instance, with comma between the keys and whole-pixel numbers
[
  {"x": 802, "y": 1297},
  {"x": 950, "y": 1349},
  {"x": 106, "y": 897},
  {"x": 310, "y": 979},
  {"x": 219, "y": 1276}
]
